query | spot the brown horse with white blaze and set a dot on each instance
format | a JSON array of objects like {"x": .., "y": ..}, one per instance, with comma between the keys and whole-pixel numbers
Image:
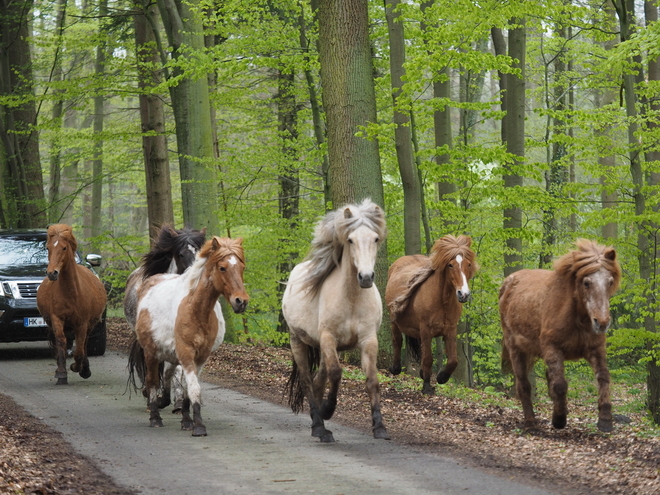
[
  {"x": 558, "y": 315},
  {"x": 71, "y": 299},
  {"x": 425, "y": 297}
]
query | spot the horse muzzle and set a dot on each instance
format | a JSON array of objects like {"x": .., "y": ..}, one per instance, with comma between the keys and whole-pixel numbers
[
  {"x": 239, "y": 305},
  {"x": 366, "y": 281},
  {"x": 462, "y": 296},
  {"x": 600, "y": 325},
  {"x": 53, "y": 276}
]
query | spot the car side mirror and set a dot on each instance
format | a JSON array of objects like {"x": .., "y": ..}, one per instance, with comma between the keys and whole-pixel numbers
[{"x": 94, "y": 259}]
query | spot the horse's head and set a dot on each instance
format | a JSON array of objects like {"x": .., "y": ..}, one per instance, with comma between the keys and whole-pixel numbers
[
  {"x": 61, "y": 246},
  {"x": 186, "y": 244},
  {"x": 597, "y": 276},
  {"x": 226, "y": 264},
  {"x": 362, "y": 242},
  {"x": 453, "y": 256}
]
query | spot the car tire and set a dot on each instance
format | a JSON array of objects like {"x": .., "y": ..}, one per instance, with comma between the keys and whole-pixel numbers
[{"x": 97, "y": 340}]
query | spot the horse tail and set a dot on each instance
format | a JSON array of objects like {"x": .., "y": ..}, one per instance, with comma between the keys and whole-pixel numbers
[
  {"x": 506, "y": 365},
  {"x": 136, "y": 365},
  {"x": 414, "y": 347},
  {"x": 294, "y": 385}
]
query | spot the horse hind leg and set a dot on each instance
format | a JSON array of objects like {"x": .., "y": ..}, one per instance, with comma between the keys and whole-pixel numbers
[
  {"x": 519, "y": 363},
  {"x": 397, "y": 341},
  {"x": 186, "y": 419},
  {"x": 452, "y": 359},
  {"x": 426, "y": 364},
  {"x": 152, "y": 385}
]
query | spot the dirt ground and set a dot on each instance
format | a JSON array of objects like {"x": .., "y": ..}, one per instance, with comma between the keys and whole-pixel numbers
[{"x": 578, "y": 459}]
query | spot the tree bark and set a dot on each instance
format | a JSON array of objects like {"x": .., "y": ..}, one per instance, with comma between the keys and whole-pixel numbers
[{"x": 402, "y": 133}]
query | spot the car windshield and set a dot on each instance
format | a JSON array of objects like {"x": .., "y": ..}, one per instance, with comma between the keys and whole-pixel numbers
[{"x": 22, "y": 251}]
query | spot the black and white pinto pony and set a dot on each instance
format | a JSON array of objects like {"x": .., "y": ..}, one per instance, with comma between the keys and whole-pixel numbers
[
  {"x": 173, "y": 251},
  {"x": 331, "y": 304}
]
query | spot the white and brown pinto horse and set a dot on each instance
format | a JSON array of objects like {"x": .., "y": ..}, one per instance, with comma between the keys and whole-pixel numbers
[
  {"x": 557, "y": 315},
  {"x": 331, "y": 304},
  {"x": 173, "y": 251},
  {"x": 425, "y": 297},
  {"x": 179, "y": 321},
  {"x": 71, "y": 300}
]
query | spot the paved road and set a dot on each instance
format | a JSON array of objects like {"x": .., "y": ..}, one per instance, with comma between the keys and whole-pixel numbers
[{"x": 253, "y": 447}]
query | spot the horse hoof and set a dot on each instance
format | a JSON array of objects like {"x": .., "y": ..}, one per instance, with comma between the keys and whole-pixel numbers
[
  {"x": 327, "y": 437},
  {"x": 156, "y": 423},
  {"x": 85, "y": 373},
  {"x": 62, "y": 381},
  {"x": 186, "y": 425},
  {"x": 559, "y": 422},
  {"x": 428, "y": 390},
  {"x": 443, "y": 377},
  {"x": 395, "y": 370},
  {"x": 380, "y": 433},
  {"x": 605, "y": 425},
  {"x": 318, "y": 431},
  {"x": 328, "y": 408},
  {"x": 199, "y": 431},
  {"x": 177, "y": 407},
  {"x": 163, "y": 402},
  {"x": 74, "y": 367}
]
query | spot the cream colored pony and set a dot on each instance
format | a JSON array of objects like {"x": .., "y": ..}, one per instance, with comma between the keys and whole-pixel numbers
[{"x": 331, "y": 304}]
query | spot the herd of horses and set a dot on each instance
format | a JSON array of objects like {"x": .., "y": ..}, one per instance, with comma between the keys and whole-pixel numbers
[{"x": 331, "y": 304}]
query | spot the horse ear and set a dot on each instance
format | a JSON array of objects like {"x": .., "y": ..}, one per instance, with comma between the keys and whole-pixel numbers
[
  {"x": 468, "y": 240},
  {"x": 610, "y": 254},
  {"x": 203, "y": 231},
  {"x": 215, "y": 243},
  {"x": 348, "y": 213},
  {"x": 239, "y": 241}
]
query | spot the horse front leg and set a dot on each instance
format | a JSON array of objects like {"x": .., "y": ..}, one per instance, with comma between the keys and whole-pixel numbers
[
  {"x": 598, "y": 362},
  {"x": 59, "y": 342},
  {"x": 523, "y": 386},
  {"x": 80, "y": 363},
  {"x": 452, "y": 359},
  {"x": 152, "y": 385},
  {"x": 368, "y": 358},
  {"x": 557, "y": 387},
  {"x": 397, "y": 342},
  {"x": 195, "y": 399},
  {"x": 427, "y": 362},
  {"x": 330, "y": 362}
]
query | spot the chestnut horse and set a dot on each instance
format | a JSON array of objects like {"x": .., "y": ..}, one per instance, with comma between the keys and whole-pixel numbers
[
  {"x": 71, "y": 299},
  {"x": 179, "y": 320},
  {"x": 331, "y": 304},
  {"x": 559, "y": 315},
  {"x": 425, "y": 297},
  {"x": 173, "y": 251}
]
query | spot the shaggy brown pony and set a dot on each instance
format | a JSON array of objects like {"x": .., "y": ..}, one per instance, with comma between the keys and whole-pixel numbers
[
  {"x": 425, "y": 297},
  {"x": 71, "y": 299},
  {"x": 560, "y": 315}
]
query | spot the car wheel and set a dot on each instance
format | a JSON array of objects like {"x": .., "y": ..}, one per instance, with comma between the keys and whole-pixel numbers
[{"x": 97, "y": 340}]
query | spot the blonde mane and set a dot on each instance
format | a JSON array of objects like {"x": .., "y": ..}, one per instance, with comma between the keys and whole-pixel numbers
[{"x": 330, "y": 235}]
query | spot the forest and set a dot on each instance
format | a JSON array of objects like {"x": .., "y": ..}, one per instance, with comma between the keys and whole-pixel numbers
[{"x": 525, "y": 125}]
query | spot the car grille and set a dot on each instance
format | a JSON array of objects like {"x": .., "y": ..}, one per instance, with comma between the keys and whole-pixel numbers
[{"x": 28, "y": 290}]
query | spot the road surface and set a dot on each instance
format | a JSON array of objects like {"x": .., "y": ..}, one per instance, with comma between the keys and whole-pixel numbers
[{"x": 253, "y": 447}]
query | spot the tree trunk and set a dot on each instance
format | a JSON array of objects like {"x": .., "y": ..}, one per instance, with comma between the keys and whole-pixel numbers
[
  {"x": 514, "y": 125},
  {"x": 152, "y": 119},
  {"x": 402, "y": 133},
  {"x": 190, "y": 102}
]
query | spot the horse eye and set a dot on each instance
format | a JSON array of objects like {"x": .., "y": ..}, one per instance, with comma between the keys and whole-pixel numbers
[
  {"x": 377, "y": 239},
  {"x": 450, "y": 265},
  {"x": 587, "y": 284},
  {"x": 223, "y": 269},
  {"x": 350, "y": 241}
]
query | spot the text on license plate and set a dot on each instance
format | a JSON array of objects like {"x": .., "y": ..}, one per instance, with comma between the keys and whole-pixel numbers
[{"x": 34, "y": 322}]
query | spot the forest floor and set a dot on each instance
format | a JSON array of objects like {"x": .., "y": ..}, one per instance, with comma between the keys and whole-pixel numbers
[{"x": 480, "y": 428}]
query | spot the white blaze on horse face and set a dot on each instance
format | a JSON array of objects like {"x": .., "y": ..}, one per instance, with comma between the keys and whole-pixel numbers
[
  {"x": 56, "y": 243},
  {"x": 192, "y": 249},
  {"x": 465, "y": 289},
  {"x": 596, "y": 289},
  {"x": 232, "y": 261}
]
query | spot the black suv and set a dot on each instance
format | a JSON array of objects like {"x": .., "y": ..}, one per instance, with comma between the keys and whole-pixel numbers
[{"x": 23, "y": 263}]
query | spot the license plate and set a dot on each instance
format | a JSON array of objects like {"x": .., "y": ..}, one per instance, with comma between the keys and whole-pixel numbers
[{"x": 34, "y": 322}]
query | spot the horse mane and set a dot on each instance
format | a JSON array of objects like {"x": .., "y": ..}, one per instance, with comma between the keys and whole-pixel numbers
[
  {"x": 330, "y": 235},
  {"x": 443, "y": 251},
  {"x": 168, "y": 242},
  {"x": 65, "y": 232},
  {"x": 588, "y": 258},
  {"x": 212, "y": 252}
]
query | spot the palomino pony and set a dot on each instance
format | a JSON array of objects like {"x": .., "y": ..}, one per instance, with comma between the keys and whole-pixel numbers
[
  {"x": 331, "y": 304},
  {"x": 71, "y": 299},
  {"x": 425, "y": 297},
  {"x": 179, "y": 320},
  {"x": 173, "y": 251},
  {"x": 559, "y": 315}
]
